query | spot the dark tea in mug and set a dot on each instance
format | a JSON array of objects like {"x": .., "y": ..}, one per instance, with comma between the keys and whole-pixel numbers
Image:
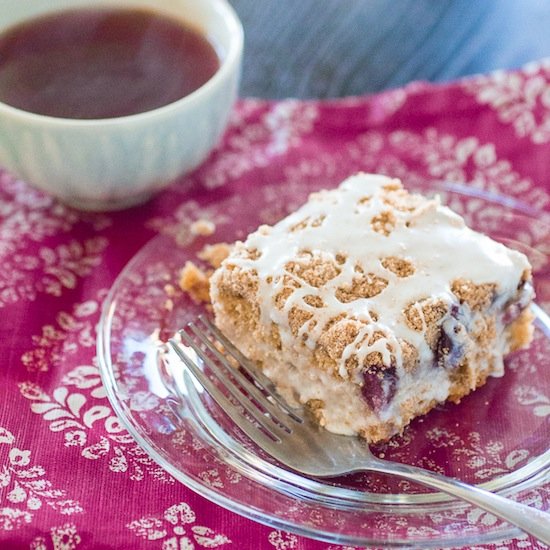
[{"x": 102, "y": 63}]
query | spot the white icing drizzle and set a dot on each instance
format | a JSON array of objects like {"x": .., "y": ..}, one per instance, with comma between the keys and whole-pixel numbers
[{"x": 433, "y": 238}]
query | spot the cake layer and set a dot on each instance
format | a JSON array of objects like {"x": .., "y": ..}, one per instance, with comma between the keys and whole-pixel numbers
[{"x": 371, "y": 305}]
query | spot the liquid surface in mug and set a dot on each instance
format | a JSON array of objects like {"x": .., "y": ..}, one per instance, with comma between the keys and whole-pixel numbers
[{"x": 102, "y": 63}]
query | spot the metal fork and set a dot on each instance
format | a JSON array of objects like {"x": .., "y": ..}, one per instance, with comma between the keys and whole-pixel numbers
[{"x": 289, "y": 436}]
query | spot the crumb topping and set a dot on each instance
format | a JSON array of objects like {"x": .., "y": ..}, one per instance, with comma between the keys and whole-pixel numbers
[
  {"x": 398, "y": 266},
  {"x": 296, "y": 319},
  {"x": 314, "y": 301},
  {"x": 313, "y": 270},
  {"x": 308, "y": 222},
  {"x": 401, "y": 200},
  {"x": 203, "y": 227},
  {"x": 194, "y": 281},
  {"x": 384, "y": 222},
  {"x": 425, "y": 313},
  {"x": 477, "y": 296},
  {"x": 425, "y": 317},
  {"x": 215, "y": 254},
  {"x": 366, "y": 286},
  {"x": 366, "y": 274}
]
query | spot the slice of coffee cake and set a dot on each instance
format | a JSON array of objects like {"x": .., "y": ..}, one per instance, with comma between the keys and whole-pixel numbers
[{"x": 371, "y": 305}]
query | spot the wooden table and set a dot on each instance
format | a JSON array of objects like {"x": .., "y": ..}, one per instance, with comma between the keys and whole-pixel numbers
[{"x": 333, "y": 48}]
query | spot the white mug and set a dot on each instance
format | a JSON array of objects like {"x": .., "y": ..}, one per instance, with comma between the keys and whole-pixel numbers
[{"x": 114, "y": 163}]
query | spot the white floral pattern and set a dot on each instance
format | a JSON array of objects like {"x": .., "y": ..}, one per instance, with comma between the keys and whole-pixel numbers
[
  {"x": 443, "y": 157},
  {"x": 533, "y": 397},
  {"x": 48, "y": 270},
  {"x": 25, "y": 489},
  {"x": 177, "y": 530},
  {"x": 487, "y": 460},
  {"x": 521, "y": 99},
  {"x": 282, "y": 540},
  {"x": 78, "y": 406},
  {"x": 78, "y": 416},
  {"x": 255, "y": 144},
  {"x": 30, "y": 265},
  {"x": 64, "y": 537},
  {"x": 72, "y": 332}
]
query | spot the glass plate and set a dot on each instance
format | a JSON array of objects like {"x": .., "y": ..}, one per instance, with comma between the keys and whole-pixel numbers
[{"x": 497, "y": 437}]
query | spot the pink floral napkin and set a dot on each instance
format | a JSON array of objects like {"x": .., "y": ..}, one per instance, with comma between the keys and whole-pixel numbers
[{"x": 69, "y": 476}]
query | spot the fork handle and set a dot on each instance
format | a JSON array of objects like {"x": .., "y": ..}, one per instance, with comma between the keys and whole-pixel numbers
[{"x": 532, "y": 521}]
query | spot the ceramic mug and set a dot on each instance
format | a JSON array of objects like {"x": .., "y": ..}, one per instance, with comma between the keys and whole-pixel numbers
[{"x": 114, "y": 163}]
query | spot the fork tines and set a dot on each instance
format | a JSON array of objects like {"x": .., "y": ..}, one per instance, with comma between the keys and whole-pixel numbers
[{"x": 217, "y": 364}]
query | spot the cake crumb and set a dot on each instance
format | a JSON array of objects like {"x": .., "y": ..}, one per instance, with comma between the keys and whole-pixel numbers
[
  {"x": 364, "y": 200},
  {"x": 215, "y": 254},
  {"x": 170, "y": 290},
  {"x": 315, "y": 408},
  {"x": 203, "y": 227},
  {"x": 194, "y": 282}
]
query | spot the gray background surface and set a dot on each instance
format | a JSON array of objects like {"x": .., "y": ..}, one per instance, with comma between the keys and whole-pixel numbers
[{"x": 334, "y": 48}]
